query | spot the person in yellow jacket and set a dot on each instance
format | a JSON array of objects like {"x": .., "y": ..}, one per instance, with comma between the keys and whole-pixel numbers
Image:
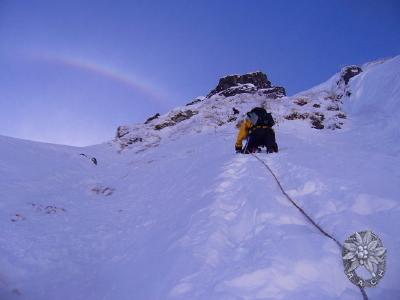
[{"x": 257, "y": 129}]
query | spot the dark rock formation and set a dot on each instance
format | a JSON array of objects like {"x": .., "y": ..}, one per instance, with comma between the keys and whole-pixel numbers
[
  {"x": 231, "y": 119},
  {"x": 121, "y": 131},
  {"x": 125, "y": 142},
  {"x": 179, "y": 117},
  {"x": 163, "y": 125},
  {"x": 134, "y": 140},
  {"x": 241, "y": 89},
  {"x": 349, "y": 72},
  {"x": 297, "y": 116},
  {"x": 152, "y": 118},
  {"x": 317, "y": 120},
  {"x": 258, "y": 79},
  {"x": 300, "y": 102},
  {"x": 49, "y": 209},
  {"x": 104, "y": 191},
  {"x": 183, "y": 115},
  {"x": 194, "y": 102},
  {"x": 274, "y": 92},
  {"x": 93, "y": 159},
  {"x": 250, "y": 83},
  {"x": 333, "y": 107}
]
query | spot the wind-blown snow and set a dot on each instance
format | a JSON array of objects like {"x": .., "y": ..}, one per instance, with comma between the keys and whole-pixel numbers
[{"x": 187, "y": 218}]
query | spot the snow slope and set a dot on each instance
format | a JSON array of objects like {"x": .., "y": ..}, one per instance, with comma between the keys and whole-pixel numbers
[{"x": 180, "y": 216}]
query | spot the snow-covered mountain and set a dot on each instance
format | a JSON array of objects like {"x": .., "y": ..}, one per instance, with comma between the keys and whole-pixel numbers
[
  {"x": 171, "y": 212},
  {"x": 233, "y": 97}
]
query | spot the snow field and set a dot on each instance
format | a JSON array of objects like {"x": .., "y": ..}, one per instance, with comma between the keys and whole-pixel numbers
[{"x": 187, "y": 218}]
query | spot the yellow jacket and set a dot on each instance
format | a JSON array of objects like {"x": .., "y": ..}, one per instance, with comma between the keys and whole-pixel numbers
[{"x": 243, "y": 132}]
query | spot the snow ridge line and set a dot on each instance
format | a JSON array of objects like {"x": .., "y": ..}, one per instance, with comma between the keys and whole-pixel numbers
[{"x": 364, "y": 294}]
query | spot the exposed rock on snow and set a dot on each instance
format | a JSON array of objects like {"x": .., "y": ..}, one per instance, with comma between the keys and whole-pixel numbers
[
  {"x": 17, "y": 217},
  {"x": 152, "y": 118},
  {"x": 196, "y": 100},
  {"x": 179, "y": 117},
  {"x": 122, "y": 131},
  {"x": 258, "y": 80},
  {"x": 239, "y": 89},
  {"x": 92, "y": 159},
  {"x": 317, "y": 120},
  {"x": 300, "y": 101},
  {"x": 349, "y": 72},
  {"x": 274, "y": 92},
  {"x": 104, "y": 191},
  {"x": 248, "y": 83},
  {"x": 297, "y": 116},
  {"x": 48, "y": 209},
  {"x": 326, "y": 100}
]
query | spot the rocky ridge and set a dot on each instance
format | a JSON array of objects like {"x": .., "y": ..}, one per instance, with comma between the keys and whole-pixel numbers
[
  {"x": 227, "y": 103},
  {"x": 248, "y": 83},
  {"x": 322, "y": 105}
]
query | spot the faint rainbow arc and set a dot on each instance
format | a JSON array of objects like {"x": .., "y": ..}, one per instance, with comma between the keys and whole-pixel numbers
[{"x": 105, "y": 71}]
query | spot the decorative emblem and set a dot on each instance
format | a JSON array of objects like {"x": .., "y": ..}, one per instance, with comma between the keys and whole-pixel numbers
[{"x": 364, "y": 249}]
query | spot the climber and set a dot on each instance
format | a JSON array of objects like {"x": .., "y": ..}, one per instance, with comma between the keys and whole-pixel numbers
[{"x": 257, "y": 129}]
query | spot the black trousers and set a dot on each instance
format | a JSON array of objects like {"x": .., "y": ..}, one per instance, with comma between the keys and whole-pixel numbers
[{"x": 261, "y": 137}]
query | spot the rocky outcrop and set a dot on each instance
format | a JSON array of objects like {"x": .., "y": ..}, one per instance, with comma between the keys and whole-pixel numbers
[
  {"x": 177, "y": 118},
  {"x": 317, "y": 120},
  {"x": 152, "y": 118},
  {"x": 248, "y": 83},
  {"x": 121, "y": 131},
  {"x": 196, "y": 100},
  {"x": 297, "y": 116},
  {"x": 240, "y": 89},
  {"x": 257, "y": 80},
  {"x": 193, "y": 102},
  {"x": 274, "y": 92},
  {"x": 349, "y": 72}
]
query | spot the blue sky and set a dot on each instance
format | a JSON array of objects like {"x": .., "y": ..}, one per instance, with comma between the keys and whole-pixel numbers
[{"x": 72, "y": 71}]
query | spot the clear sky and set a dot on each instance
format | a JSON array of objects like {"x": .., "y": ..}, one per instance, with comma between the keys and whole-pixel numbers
[{"x": 72, "y": 71}]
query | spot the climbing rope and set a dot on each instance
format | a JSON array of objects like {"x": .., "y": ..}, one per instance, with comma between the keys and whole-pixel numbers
[{"x": 364, "y": 294}]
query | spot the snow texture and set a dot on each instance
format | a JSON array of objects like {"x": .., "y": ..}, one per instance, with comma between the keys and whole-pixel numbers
[{"x": 174, "y": 213}]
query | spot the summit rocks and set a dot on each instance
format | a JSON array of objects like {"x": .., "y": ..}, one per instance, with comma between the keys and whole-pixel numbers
[{"x": 248, "y": 83}]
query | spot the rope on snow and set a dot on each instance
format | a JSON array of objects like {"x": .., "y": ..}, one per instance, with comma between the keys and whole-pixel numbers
[{"x": 364, "y": 294}]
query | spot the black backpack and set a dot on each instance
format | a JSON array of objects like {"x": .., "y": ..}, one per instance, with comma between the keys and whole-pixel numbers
[{"x": 264, "y": 118}]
